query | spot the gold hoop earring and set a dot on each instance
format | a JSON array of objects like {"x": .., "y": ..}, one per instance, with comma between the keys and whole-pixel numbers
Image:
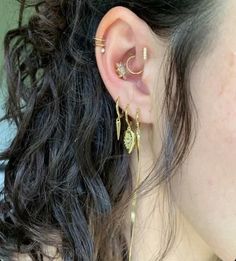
[
  {"x": 129, "y": 138},
  {"x": 122, "y": 69},
  {"x": 99, "y": 42},
  {"x": 138, "y": 135},
  {"x": 119, "y": 116},
  {"x": 127, "y": 66}
]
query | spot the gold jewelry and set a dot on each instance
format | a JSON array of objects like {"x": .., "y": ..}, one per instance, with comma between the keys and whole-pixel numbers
[
  {"x": 145, "y": 54},
  {"x": 129, "y": 138},
  {"x": 118, "y": 122},
  {"x": 121, "y": 70},
  {"x": 100, "y": 43},
  {"x": 134, "y": 201},
  {"x": 137, "y": 132},
  {"x": 127, "y": 66}
]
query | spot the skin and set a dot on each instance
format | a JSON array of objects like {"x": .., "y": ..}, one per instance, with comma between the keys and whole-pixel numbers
[{"x": 204, "y": 194}]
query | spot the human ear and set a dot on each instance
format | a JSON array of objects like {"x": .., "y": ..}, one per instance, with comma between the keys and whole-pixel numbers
[{"x": 126, "y": 34}]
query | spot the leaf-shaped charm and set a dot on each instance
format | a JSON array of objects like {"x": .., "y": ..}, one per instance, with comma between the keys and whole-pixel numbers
[{"x": 129, "y": 140}]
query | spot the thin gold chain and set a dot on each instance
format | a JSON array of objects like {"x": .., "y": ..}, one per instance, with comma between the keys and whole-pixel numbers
[{"x": 133, "y": 214}]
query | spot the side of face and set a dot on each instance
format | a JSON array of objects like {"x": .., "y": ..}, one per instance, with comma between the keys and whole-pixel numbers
[{"x": 206, "y": 192}]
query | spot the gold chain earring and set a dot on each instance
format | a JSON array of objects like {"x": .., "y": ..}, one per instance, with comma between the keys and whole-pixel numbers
[
  {"x": 130, "y": 137},
  {"x": 119, "y": 116},
  {"x": 134, "y": 201},
  {"x": 138, "y": 136}
]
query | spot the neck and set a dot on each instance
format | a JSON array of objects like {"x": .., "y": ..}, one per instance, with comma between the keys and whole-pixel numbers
[{"x": 151, "y": 222}]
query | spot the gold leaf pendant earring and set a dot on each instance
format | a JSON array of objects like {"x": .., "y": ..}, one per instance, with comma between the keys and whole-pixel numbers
[{"x": 130, "y": 137}]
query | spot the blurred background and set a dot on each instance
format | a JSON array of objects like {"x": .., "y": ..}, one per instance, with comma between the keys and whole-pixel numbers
[{"x": 8, "y": 19}]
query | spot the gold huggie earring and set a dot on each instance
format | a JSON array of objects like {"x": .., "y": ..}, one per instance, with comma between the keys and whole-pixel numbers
[
  {"x": 129, "y": 139},
  {"x": 127, "y": 66},
  {"x": 138, "y": 136},
  {"x": 100, "y": 43},
  {"x": 119, "y": 116}
]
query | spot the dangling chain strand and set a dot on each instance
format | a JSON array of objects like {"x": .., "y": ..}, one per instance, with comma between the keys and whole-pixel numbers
[{"x": 133, "y": 213}]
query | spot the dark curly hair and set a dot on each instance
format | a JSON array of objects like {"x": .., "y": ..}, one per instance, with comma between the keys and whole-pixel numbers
[{"x": 67, "y": 180}]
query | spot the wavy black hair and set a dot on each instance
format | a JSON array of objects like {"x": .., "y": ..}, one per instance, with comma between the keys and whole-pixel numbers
[{"x": 67, "y": 179}]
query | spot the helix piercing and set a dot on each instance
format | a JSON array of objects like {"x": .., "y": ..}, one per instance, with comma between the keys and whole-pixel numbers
[{"x": 99, "y": 42}]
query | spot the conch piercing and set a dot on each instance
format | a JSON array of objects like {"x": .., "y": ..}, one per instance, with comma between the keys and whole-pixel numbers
[
  {"x": 99, "y": 42},
  {"x": 122, "y": 69}
]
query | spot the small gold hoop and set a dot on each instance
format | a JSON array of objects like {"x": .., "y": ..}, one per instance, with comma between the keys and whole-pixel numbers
[
  {"x": 99, "y": 42},
  {"x": 117, "y": 108},
  {"x": 126, "y": 115},
  {"x": 127, "y": 66}
]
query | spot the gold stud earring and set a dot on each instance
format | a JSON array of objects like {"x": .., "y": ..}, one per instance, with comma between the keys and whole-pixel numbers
[
  {"x": 119, "y": 116},
  {"x": 138, "y": 135},
  {"x": 129, "y": 138},
  {"x": 99, "y": 42}
]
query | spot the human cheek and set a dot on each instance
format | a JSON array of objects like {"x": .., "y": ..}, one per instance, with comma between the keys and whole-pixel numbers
[{"x": 206, "y": 192}]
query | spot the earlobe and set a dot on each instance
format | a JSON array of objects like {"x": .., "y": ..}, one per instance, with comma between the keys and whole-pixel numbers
[{"x": 123, "y": 57}]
